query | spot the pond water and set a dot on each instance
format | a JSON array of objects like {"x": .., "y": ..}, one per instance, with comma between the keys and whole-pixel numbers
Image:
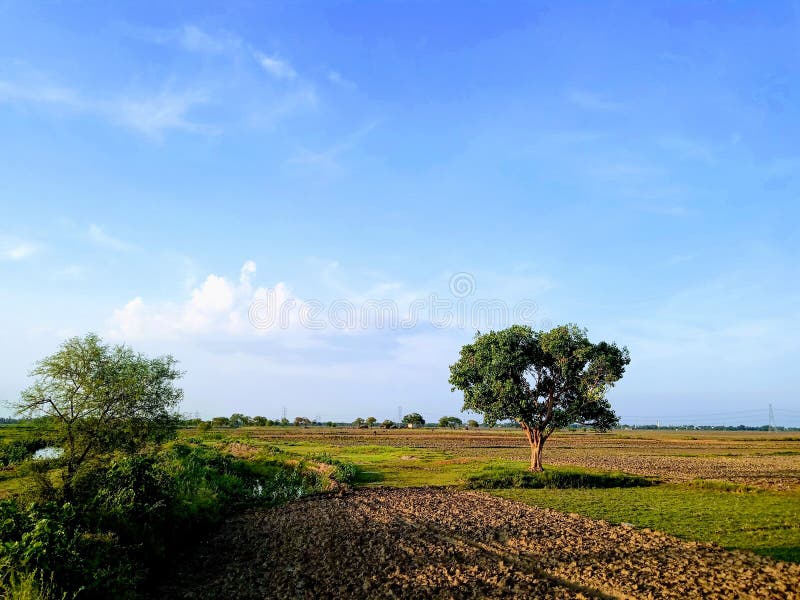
[{"x": 48, "y": 452}]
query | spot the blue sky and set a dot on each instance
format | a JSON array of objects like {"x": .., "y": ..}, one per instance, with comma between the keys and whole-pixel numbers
[{"x": 632, "y": 168}]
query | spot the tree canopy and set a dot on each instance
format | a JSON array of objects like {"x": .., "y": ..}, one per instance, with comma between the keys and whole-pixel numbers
[
  {"x": 544, "y": 380},
  {"x": 102, "y": 398},
  {"x": 452, "y": 422},
  {"x": 413, "y": 419}
]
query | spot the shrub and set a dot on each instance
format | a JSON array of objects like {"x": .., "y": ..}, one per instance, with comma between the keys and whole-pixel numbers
[
  {"x": 552, "y": 478},
  {"x": 344, "y": 472}
]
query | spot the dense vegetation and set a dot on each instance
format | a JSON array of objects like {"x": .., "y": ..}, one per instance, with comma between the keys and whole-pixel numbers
[
  {"x": 127, "y": 515},
  {"x": 117, "y": 494}
]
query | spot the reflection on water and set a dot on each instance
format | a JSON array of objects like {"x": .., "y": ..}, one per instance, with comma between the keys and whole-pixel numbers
[{"x": 48, "y": 452}]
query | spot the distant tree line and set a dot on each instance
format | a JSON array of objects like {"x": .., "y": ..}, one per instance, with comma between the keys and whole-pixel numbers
[{"x": 412, "y": 419}]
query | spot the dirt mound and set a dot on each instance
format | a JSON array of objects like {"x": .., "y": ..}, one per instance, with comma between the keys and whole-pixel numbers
[{"x": 436, "y": 543}]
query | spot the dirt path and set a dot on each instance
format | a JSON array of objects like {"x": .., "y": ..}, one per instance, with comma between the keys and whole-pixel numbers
[{"x": 437, "y": 543}]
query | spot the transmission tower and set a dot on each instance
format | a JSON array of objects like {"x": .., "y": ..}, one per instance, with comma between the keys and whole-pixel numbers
[
  {"x": 399, "y": 414},
  {"x": 771, "y": 419}
]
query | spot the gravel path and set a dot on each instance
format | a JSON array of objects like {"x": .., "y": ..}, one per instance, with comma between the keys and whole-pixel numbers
[{"x": 439, "y": 543}]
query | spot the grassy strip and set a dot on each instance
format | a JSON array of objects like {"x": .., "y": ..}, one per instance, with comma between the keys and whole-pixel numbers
[
  {"x": 493, "y": 478},
  {"x": 764, "y": 522}
]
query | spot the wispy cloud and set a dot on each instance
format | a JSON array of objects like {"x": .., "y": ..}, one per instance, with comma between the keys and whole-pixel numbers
[
  {"x": 157, "y": 110},
  {"x": 69, "y": 273},
  {"x": 592, "y": 101},
  {"x": 277, "y": 67},
  {"x": 154, "y": 115},
  {"x": 13, "y": 249},
  {"x": 327, "y": 160},
  {"x": 336, "y": 78},
  {"x": 679, "y": 259},
  {"x": 686, "y": 148},
  {"x": 99, "y": 236},
  {"x": 39, "y": 92},
  {"x": 195, "y": 39},
  {"x": 624, "y": 171},
  {"x": 150, "y": 114}
]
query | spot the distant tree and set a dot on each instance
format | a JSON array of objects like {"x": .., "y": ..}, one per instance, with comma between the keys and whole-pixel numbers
[
  {"x": 284, "y": 421},
  {"x": 358, "y": 422},
  {"x": 388, "y": 424},
  {"x": 330, "y": 424},
  {"x": 413, "y": 419},
  {"x": 221, "y": 422},
  {"x": 204, "y": 426},
  {"x": 302, "y": 421},
  {"x": 370, "y": 421},
  {"x": 260, "y": 421},
  {"x": 103, "y": 398},
  {"x": 239, "y": 420},
  {"x": 542, "y": 380},
  {"x": 472, "y": 424},
  {"x": 451, "y": 422}
]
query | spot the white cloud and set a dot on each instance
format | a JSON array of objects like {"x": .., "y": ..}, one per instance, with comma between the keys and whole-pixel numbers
[
  {"x": 239, "y": 314},
  {"x": 20, "y": 252},
  {"x": 278, "y": 68},
  {"x": 218, "y": 307},
  {"x": 15, "y": 249},
  {"x": 592, "y": 101},
  {"x": 248, "y": 269},
  {"x": 215, "y": 295},
  {"x": 101, "y": 238}
]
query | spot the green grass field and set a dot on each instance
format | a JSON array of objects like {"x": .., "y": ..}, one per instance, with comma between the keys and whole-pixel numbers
[{"x": 764, "y": 522}]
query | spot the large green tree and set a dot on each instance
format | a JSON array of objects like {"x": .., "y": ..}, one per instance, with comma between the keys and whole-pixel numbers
[
  {"x": 544, "y": 380},
  {"x": 102, "y": 398},
  {"x": 413, "y": 419}
]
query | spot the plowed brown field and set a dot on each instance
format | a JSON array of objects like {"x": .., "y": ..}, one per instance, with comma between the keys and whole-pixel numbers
[{"x": 440, "y": 543}]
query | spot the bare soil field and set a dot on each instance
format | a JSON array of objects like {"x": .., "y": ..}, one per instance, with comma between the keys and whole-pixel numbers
[{"x": 441, "y": 543}]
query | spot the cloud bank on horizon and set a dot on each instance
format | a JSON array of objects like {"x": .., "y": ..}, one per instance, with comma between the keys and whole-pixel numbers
[{"x": 315, "y": 207}]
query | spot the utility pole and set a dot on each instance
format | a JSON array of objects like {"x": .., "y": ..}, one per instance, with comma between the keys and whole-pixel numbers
[
  {"x": 400, "y": 414},
  {"x": 283, "y": 414},
  {"x": 771, "y": 419}
]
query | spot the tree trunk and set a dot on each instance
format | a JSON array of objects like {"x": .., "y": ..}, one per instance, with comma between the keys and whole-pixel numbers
[
  {"x": 67, "y": 479},
  {"x": 536, "y": 440}
]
